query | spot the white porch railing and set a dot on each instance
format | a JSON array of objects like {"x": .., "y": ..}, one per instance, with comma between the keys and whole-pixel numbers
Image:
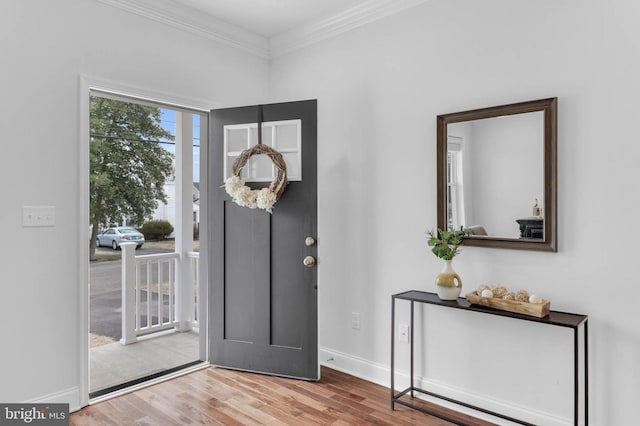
[
  {"x": 175, "y": 304},
  {"x": 194, "y": 262}
]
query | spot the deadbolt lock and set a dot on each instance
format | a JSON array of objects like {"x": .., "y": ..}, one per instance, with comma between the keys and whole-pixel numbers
[
  {"x": 309, "y": 261},
  {"x": 309, "y": 241}
]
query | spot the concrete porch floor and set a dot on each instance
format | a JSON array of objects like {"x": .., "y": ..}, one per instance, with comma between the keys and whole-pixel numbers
[{"x": 113, "y": 364}]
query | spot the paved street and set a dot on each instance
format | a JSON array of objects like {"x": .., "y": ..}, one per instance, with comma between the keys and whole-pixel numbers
[{"x": 105, "y": 306}]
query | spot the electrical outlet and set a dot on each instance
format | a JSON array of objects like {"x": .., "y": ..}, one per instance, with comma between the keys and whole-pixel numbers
[
  {"x": 403, "y": 333},
  {"x": 355, "y": 320}
]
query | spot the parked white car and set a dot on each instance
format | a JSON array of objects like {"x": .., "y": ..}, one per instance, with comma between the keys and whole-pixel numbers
[{"x": 113, "y": 237}]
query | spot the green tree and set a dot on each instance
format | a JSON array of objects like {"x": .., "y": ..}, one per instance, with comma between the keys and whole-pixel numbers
[{"x": 128, "y": 167}]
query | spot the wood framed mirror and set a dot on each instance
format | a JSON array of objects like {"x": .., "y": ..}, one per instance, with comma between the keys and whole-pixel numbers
[{"x": 497, "y": 175}]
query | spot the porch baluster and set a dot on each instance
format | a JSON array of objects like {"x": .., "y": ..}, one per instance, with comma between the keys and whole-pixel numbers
[{"x": 128, "y": 293}]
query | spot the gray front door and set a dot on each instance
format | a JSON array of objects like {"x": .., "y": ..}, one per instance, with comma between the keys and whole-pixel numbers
[{"x": 263, "y": 299}]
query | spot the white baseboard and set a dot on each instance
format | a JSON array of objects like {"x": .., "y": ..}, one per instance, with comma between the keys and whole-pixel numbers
[
  {"x": 381, "y": 375},
  {"x": 69, "y": 396}
]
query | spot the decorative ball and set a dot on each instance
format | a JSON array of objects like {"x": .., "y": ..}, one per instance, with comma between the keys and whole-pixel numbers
[
  {"x": 522, "y": 296},
  {"x": 499, "y": 290},
  {"x": 481, "y": 289},
  {"x": 509, "y": 296},
  {"x": 534, "y": 298},
  {"x": 486, "y": 293}
]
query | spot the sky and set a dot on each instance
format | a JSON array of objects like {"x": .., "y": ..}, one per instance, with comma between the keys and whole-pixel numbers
[{"x": 168, "y": 122}]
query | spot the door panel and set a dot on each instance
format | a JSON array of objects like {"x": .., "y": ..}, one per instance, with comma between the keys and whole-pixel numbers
[
  {"x": 286, "y": 290},
  {"x": 263, "y": 298},
  {"x": 238, "y": 320}
]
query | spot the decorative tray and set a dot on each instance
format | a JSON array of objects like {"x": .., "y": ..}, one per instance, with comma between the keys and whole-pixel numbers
[{"x": 533, "y": 309}]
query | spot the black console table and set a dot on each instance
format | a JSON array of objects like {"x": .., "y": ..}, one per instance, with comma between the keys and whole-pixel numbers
[
  {"x": 560, "y": 319},
  {"x": 532, "y": 227}
]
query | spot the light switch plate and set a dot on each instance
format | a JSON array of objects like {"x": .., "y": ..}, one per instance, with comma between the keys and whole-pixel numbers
[{"x": 33, "y": 216}]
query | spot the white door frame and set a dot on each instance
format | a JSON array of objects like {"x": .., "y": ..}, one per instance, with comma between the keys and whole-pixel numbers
[{"x": 87, "y": 85}]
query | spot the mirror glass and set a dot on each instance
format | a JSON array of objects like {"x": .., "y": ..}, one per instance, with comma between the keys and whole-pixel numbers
[{"x": 496, "y": 175}]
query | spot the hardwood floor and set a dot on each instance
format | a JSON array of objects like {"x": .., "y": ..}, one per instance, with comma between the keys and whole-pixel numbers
[{"x": 215, "y": 396}]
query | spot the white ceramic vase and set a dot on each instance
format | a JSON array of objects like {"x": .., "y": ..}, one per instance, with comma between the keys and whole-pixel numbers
[{"x": 448, "y": 283}]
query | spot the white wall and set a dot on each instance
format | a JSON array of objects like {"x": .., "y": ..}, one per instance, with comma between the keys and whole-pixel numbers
[
  {"x": 379, "y": 89},
  {"x": 46, "y": 47}
]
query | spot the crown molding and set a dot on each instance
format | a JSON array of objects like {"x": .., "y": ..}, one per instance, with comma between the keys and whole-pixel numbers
[
  {"x": 348, "y": 20},
  {"x": 169, "y": 13}
]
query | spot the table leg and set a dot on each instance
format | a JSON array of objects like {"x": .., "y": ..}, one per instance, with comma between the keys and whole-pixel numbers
[
  {"x": 393, "y": 326},
  {"x": 576, "y": 393},
  {"x": 411, "y": 349},
  {"x": 586, "y": 374}
]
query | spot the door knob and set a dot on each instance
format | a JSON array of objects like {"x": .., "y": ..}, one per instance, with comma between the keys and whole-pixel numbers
[
  {"x": 309, "y": 241},
  {"x": 309, "y": 261}
]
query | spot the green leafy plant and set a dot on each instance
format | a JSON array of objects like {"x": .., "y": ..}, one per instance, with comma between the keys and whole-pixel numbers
[
  {"x": 445, "y": 243},
  {"x": 156, "y": 229}
]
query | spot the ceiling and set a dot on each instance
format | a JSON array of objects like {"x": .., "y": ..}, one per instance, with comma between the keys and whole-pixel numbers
[{"x": 269, "y": 18}]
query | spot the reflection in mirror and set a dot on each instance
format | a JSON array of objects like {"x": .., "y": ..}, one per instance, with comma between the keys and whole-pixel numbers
[
  {"x": 497, "y": 175},
  {"x": 495, "y": 168}
]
